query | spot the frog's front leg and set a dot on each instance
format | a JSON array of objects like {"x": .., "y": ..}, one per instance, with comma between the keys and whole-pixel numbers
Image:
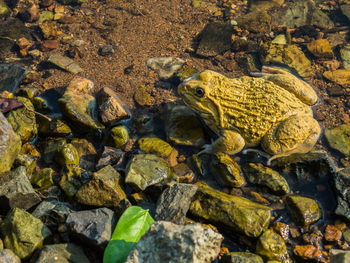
[
  {"x": 288, "y": 81},
  {"x": 229, "y": 141}
]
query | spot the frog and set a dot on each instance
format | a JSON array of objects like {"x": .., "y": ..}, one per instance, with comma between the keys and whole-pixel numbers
[{"x": 270, "y": 109}]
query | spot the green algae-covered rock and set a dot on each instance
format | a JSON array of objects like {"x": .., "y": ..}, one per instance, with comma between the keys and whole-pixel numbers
[
  {"x": 67, "y": 155},
  {"x": 23, "y": 121},
  {"x": 42, "y": 178},
  {"x": 259, "y": 174},
  {"x": 339, "y": 138},
  {"x": 73, "y": 177},
  {"x": 271, "y": 246},
  {"x": 45, "y": 16},
  {"x": 103, "y": 189},
  {"x": 118, "y": 136},
  {"x": 23, "y": 233},
  {"x": 10, "y": 145},
  {"x": 304, "y": 210},
  {"x": 152, "y": 144},
  {"x": 237, "y": 213},
  {"x": 55, "y": 127},
  {"x": 51, "y": 148},
  {"x": 29, "y": 162},
  {"x": 144, "y": 170},
  {"x": 227, "y": 170},
  {"x": 242, "y": 257},
  {"x": 288, "y": 55}
]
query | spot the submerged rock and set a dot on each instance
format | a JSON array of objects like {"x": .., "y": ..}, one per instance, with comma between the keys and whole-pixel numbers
[
  {"x": 339, "y": 138},
  {"x": 339, "y": 76},
  {"x": 55, "y": 127},
  {"x": 236, "y": 213},
  {"x": 168, "y": 242},
  {"x": 11, "y": 76},
  {"x": 242, "y": 257},
  {"x": 320, "y": 48},
  {"x": 256, "y": 21},
  {"x": 65, "y": 63},
  {"x": 152, "y": 144},
  {"x": 165, "y": 67},
  {"x": 345, "y": 55},
  {"x": 109, "y": 156},
  {"x": 118, "y": 136},
  {"x": 304, "y": 210},
  {"x": 271, "y": 246},
  {"x": 342, "y": 184},
  {"x": 67, "y": 155}
]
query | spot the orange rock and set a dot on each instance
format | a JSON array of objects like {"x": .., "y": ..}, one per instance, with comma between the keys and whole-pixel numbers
[
  {"x": 320, "y": 48},
  {"x": 308, "y": 252},
  {"x": 332, "y": 233},
  {"x": 49, "y": 44},
  {"x": 339, "y": 76}
]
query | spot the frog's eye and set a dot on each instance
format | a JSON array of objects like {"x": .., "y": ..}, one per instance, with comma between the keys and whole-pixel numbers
[{"x": 200, "y": 92}]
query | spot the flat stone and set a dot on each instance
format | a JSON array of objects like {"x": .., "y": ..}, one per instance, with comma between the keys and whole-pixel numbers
[
  {"x": 93, "y": 227},
  {"x": 339, "y": 138},
  {"x": 16, "y": 190},
  {"x": 168, "y": 242},
  {"x": 340, "y": 256},
  {"x": 332, "y": 233},
  {"x": 304, "y": 210},
  {"x": 166, "y": 67},
  {"x": 65, "y": 63},
  {"x": 11, "y": 76},
  {"x": 174, "y": 203},
  {"x": 339, "y": 76},
  {"x": 109, "y": 156},
  {"x": 7, "y": 256},
  {"x": 241, "y": 257},
  {"x": 342, "y": 184}
]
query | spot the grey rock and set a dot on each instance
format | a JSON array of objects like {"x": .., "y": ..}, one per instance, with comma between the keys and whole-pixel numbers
[
  {"x": 345, "y": 55},
  {"x": 340, "y": 256},
  {"x": 215, "y": 39},
  {"x": 62, "y": 253},
  {"x": 106, "y": 50},
  {"x": 11, "y": 76},
  {"x": 7, "y": 256},
  {"x": 345, "y": 9},
  {"x": 64, "y": 63},
  {"x": 16, "y": 190},
  {"x": 174, "y": 203},
  {"x": 166, "y": 67},
  {"x": 94, "y": 227},
  {"x": 342, "y": 185},
  {"x": 168, "y": 242},
  {"x": 242, "y": 257},
  {"x": 109, "y": 156}
]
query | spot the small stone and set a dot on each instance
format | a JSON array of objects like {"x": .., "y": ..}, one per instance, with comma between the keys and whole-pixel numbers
[
  {"x": 320, "y": 48},
  {"x": 63, "y": 253},
  {"x": 45, "y": 16},
  {"x": 50, "y": 30},
  {"x": 183, "y": 172},
  {"x": 308, "y": 252},
  {"x": 166, "y": 67},
  {"x": 339, "y": 138},
  {"x": 241, "y": 257},
  {"x": 339, "y": 76},
  {"x": 29, "y": 162},
  {"x": 118, "y": 136},
  {"x": 281, "y": 228},
  {"x": 29, "y": 150},
  {"x": 109, "y": 156},
  {"x": 332, "y": 233},
  {"x": 7, "y": 256},
  {"x": 271, "y": 246},
  {"x": 64, "y": 63},
  {"x": 55, "y": 127},
  {"x": 49, "y": 44},
  {"x": 106, "y": 50},
  {"x": 12, "y": 75},
  {"x": 152, "y": 144},
  {"x": 304, "y": 210},
  {"x": 345, "y": 55},
  {"x": 67, "y": 155}
]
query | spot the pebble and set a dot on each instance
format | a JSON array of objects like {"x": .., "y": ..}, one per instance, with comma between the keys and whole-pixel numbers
[
  {"x": 166, "y": 67},
  {"x": 64, "y": 63},
  {"x": 332, "y": 233}
]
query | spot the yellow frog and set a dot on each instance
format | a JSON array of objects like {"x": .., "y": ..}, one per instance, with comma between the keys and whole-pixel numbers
[{"x": 272, "y": 111}]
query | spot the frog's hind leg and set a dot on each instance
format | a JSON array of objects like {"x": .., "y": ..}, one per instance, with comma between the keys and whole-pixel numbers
[{"x": 297, "y": 134}]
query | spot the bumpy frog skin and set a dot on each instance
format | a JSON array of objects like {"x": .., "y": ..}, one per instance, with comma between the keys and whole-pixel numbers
[{"x": 272, "y": 111}]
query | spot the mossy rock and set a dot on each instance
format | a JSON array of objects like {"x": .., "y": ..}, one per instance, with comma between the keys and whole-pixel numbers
[
  {"x": 42, "y": 178},
  {"x": 118, "y": 136},
  {"x": 152, "y": 144},
  {"x": 271, "y": 246},
  {"x": 304, "y": 210},
  {"x": 28, "y": 161},
  {"x": 339, "y": 138},
  {"x": 72, "y": 178},
  {"x": 67, "y": 155}
]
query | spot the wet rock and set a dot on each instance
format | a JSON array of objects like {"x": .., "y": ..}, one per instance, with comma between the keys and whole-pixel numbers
[
  {"x": 93, "y": 227},
  {"x": 7, "y": 256},
  {"x": 10, "y": 145},
  {"x": 339, "y": 76},
  {"x": 166, "y": 67},
  {"x": 332, "y": 233},
  {"x": 56, "y": 127},
  {"x": 111, "y": 108},
  {"x": 144, "y": 170},
  {"x": 143, "y": 97},
  {"x": 226, "y": 170},
  {"x": 29, "y": 162},
  {"x": 109, "y": 156},
  {"x": 29, "y": 150},
  {"x": 174, "y": 203},
  {"x": 257, "y": 173},
  {"x": 167, "y": 242},
  {"x": 16, "y": 190},
  {"x": 183, "y": 126},
  {"x": 256, "y": 21},
  {"x": 320, "y": 48},
  {"x": 308, "y": 253},
  {"x": 79, "y": 106},
  {"x": 339, "y": 138},
  {"x": 281, "y": 228},
  {"x": 4, "y": 9},
  {"x": 67, "y": 155},
  {"x": 288, "y": 55},
  {"x": 233, "y": 212},
  {"x": 118, "y": 136},
  {"x": 87, "y": 153},
  {"x": 152, "y": 144},
  {"x": 23, "y": 233},
  {"x": 104, "y": 189},
  {"x": 345, "y": 55},
  {"x": 340, "y": 256},
  {"x": 345, "y": 9},
  {"x": 241, "y": 257},
  {"x": 50, "y": 30},
  {"x": 64, "y": 63},
  {"x": 63, "y": 253},
  {"x": 271, "y": 246},
  {"x": 346, "y": 235},
  {"x": 11, "y": 75},
  {"x": 72, "y": 178},
  {"x": 51, "y": 148},
  {"x": 23, "y": 121},
  {"x": 42, "y": 178},
  {"x": 342, "y": 184},
  {"x": 304, "y": 210}
]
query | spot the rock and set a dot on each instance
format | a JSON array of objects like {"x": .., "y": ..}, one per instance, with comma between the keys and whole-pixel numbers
[
  {"x": 342, "y": 184},
  {"x": 106, "y": 50},
  {"x": 271, "y": 246},
  {"x": 79, "y": 106},
  {"x": 23, "y": 233},
  {"x": 183, "y": 127},
  {"x": 345, "y": 55},
  {"x": 111, "y": 108},
  {"x": 109, "y": 156},
  {"x": 186, "y": 73},
  {"x": 144, "y": 170},
  {"x": 233, "y": 212},
  {"x": 104, "y": 189},
  {"x": 10, "y": 145},
  {"x": 16, "y": 190},
  {"x": 320, "y": 48},
  {"x": 304, "y": 210},
  {"x": 152, "y": 144},
  {"x": 143, "y": 97},
  {"x": 118, "y": 136},
  {"x": 93, "y": 227},
  {"x": 45, "y": 16},
  {"x": 23, "y": 121},
  {"x": 4, "y": 9},
  {"x": 241, "y": 257},
  {"x": 257, "y": 173},
  {"x": 72, "y": 178},
  {"x": 211, "y": 7},
  {"x": 288, "y": 55},
  {"x": 67, "y": 155},
  {"x": 332, "y": 233},
  {"x": 64, "y": 63},
  {"x": 28, "y": 149},
  {"x": 29, "y": 162},
  {"x": 72, "y": 2},
  {"x": 55, "y": 127},
  {"x": 145, "y": 124},
  {"x": 11, "y": 76},
  {"x": 308, "y": 253},
  {"x": 226, "y": 170},
  {"x": 51, "y": 148},
  {"x": 345, "y": 9},
  {"x": 215, "y": 39},
  {"x": 62, "y": 253},
  {"x": 7, "y": 256},
  {"x": 263, "y": 5},
  {"x": 339, "y": 138},
  {"x": 340, "y": 256},
  {"x": 166, "y": 67},
  {"x": 256, "y": 21},
  {"x": 87, "y": 153},
  {"x": 174, "y": 203},
  {"x": 339, "y": 76},
  {"x": 280, "y": 40},
  {"x": 346, "y": 235},
  {"x": 281, "y": 228},
  {"x": 50, "y": 30},
  {"x": 167, "y": 242}
]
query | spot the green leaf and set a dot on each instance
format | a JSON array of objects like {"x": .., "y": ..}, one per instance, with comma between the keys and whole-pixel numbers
[{"x": 132, "y": 225}]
